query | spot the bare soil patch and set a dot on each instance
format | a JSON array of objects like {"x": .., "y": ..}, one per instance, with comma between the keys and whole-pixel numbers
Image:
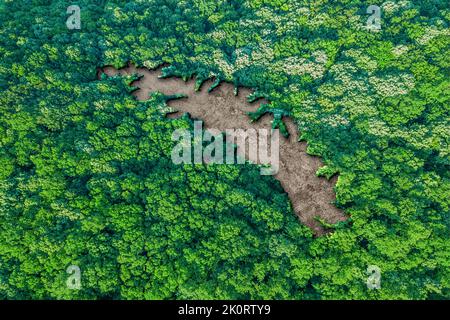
[{"x": 310, "y": 195}]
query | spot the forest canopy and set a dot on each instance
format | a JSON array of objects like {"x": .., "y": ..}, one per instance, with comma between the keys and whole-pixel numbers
[{"x": 87, "y": 180}]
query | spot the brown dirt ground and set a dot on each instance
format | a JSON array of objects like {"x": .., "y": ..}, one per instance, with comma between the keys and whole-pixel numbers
[{"x": 310, "y": 195}]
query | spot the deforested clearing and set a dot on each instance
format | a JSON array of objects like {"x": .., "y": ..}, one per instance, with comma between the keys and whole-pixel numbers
[{"x": 311, "y": 196}]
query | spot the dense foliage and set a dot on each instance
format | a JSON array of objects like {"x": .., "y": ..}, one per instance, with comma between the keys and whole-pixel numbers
[{"x": 86, "y": 176}]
